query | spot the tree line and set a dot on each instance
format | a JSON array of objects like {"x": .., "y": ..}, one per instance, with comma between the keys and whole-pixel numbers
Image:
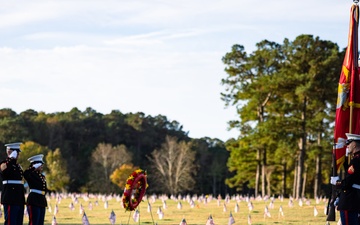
[
  {"x": 86, "y": 151},
  {"x": 285, "y": 95}
]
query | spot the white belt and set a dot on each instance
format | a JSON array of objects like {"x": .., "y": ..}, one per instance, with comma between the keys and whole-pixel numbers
[
  {"x": 13, "y": 182},
  {"x": 37, "y": 191},
  {"x": 356, "y": 186}
]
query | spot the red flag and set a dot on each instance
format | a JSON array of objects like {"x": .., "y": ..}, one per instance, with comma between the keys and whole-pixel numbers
[{"x": 348, "y": 101}]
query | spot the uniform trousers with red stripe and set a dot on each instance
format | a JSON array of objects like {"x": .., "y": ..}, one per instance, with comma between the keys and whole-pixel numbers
[
  {"x": 36, "y": 215},
  {"x": 13, "y": 214},
  {"x": 349, "y": 217}
]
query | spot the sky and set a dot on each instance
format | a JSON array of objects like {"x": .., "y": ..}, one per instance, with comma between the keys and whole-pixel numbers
[{"x": 153, "y": 56}]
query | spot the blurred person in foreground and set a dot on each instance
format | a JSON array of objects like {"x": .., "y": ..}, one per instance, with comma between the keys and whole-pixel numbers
[
  {"x": 13, "y": 192},
  {"x": 36, "y": 200},
  {"x": 348, "y": 202}
]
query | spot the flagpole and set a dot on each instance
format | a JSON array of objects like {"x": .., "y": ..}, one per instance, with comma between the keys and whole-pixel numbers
[
  {"x": 355, "y": 63},
  {"x": 355, "y": 66}
]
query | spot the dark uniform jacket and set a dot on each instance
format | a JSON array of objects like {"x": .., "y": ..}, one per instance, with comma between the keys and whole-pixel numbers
[
  {"x": 349, "y": 198},
  {"x": 36, "y": 181},
  {"x": 12, "y": 194}
]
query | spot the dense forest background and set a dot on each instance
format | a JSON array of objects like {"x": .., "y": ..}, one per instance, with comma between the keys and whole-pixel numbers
[
  {"x": 285, "y": 96},
  {"x": 90, "y": 146}
]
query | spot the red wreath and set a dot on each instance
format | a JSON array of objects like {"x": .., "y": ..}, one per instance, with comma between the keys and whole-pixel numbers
[{"x": 135, "y": 188}]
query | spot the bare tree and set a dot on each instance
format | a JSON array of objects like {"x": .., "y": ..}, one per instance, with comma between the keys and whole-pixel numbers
[
  {"x": 173, "y": 166},
  {"x": 105, "y": 159}
]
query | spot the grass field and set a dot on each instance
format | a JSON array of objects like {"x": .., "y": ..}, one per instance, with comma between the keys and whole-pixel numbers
[{"x": 297, "y": 213}]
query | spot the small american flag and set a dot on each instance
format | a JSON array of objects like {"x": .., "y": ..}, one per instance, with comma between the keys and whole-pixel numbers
[
  {"x": 136, "y": 216},
  {"x": 224, "y": 208},
  {"x": 231, "y": 219},
  {"x": 249, "y": 220},
  {"x": 281, "y": 212},
  {"x": 300, "y": 202},
  {"x": 210, "y": 221},
  {"x": 291, "y": 203},
  {"x": 53, "y": 222},
  {"x": 266, "y": 212},
  {"x": 250, "y": 206},
  {"x": 236, "y": 208},
  {"x": 90, "y": 206},
  {"x": 161, "y": 215},
  {"x": 315, "y": 211},
  {"x": 227, "y": 199},
  {"x": 149, "y": 207},
  {"x": 164, "y": 205},
  {"x": 183, "y": 222},
  {"x": 56, "y": 210},
  {"x": 71, "y": 206},
  {"x": 179, "y": 205},
  {"x": 81, "y": 209},
  {"x": 271, "y": 204},
  {"x": 112, "y": 217},
  {"x": 85, "y": 220},
  {"x": 58, "y": 200}
]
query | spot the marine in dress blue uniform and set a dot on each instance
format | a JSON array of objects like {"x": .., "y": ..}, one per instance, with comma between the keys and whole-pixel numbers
[
  {"x": 36, "y": 200},
  {"x": 13, "y": 192},
  {"x": 349, "y": 198}
]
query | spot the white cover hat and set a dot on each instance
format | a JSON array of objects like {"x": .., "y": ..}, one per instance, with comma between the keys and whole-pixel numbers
[
  {"x": 36, "y": 159},
  {"x": 13, "y": 146},
  {"x": 352, "y": 137}
]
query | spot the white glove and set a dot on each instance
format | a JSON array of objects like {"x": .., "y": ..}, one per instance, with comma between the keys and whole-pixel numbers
[
  {"x": 13, "y": 154},
  {"x": 334, "y": 179},
  {"x": 37, "y": 165}
]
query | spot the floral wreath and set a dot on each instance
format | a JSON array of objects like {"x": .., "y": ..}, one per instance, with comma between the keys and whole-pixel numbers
[{"x": 135, "y": 188}]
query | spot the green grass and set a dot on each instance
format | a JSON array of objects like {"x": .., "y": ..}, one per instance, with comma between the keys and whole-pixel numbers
[{"x": 99, "y": 215}]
